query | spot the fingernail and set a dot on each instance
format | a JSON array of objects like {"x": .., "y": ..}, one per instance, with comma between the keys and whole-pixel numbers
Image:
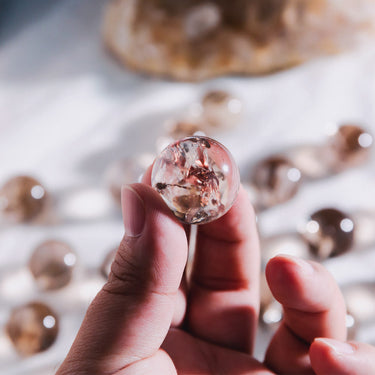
[
  {"x": 133, "y": 211},
  {"x": 305, "y": 266},
  {"x": 338, "y": 346}
]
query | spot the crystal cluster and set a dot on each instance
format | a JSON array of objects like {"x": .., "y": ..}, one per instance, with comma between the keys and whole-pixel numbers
[
  {"x": 197, "y": 178},
  {"x": 32, "y": 328},
  {"x": 194, "y": 40}
]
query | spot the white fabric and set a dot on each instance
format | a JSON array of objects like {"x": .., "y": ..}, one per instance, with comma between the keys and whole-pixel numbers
[{"x": 67, "y": 109}]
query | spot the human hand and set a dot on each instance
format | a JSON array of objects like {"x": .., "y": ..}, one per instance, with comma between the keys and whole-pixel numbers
[{"x": 148, "y": 320}]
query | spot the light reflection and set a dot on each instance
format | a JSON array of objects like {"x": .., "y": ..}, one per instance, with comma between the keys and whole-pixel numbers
[
  {"x": 37, "y": 192},
  {"x": 294, "y": 174},
  {"x": 49, "y": 321},
  {"x": 347, "y": 225},
  {"x": 312, "y": 227},
  {"x": 365, "y": 140},
  {"x": 273, "y": 314},
  {"x": 70, "y": 259}
]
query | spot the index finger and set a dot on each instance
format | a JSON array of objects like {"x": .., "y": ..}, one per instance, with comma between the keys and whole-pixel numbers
[{"x": 224, "y": 295}]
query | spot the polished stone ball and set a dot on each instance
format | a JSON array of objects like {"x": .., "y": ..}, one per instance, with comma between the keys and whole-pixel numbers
[{"x": 198, "y": 179}]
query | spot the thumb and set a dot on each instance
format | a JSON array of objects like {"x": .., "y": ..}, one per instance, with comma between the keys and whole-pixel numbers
[{"x": 130, "y": 317}]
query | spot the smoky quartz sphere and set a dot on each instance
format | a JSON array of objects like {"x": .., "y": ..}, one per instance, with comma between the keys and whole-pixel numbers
[
  {"x": 329, "y": 232},
  {"x": 22, "y": 198},
  {"x": 277, "y": 180},
  {"x": 32, "y": 328},
  {"x": 197, "y": 178},
  {"x": 52, "y": 264}
]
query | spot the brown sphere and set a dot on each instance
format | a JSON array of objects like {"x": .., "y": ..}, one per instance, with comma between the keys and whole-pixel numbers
[
  {"x": 22, "y": 198},
  {"x": 52, "y": 264},
  {"x": 32, "y": 328},
  {"x": 276, "y": 179},
  {"x": 349, "y": 147},
  {"x": 329, "y": 232}
]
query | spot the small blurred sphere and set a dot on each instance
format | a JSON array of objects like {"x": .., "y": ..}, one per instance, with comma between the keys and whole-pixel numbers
[
  {"x": 350, "y": 146},
  {"x": 329, "y": 232},
  {"x": 32, "y": 328},
  {"x": 126, "y": 171},
  {"x": 277, "y": 181},
  {"x": 271, "y": 315},
  {"x": 310, "y": 160},
  {"x": 184, "y": 128},
  {"x": 221, "y": 110},
  {"x": 22, "y": 198},
  {"x": 52, "y": 264},
  {"x": 105, "y": 267}
]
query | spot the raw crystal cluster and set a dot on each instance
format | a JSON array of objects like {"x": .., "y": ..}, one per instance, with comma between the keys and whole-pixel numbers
[
  {"x": 197, "y": 39},
  {"x": 197, "y": 178}
]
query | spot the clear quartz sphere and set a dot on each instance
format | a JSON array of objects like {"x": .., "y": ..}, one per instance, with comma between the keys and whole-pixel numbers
[
  {"x": 32, "y": 328},
  {"x": 52, "y": 264},
  {"x": 22, "y": 198},
  {"x": 197, "y": 178}
]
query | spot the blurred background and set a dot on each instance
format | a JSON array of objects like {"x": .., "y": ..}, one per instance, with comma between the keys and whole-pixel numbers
[{"x": 80, "y": 114}]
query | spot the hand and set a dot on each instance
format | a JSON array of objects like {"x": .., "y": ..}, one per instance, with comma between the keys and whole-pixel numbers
[{"x": 147, "y": 320}]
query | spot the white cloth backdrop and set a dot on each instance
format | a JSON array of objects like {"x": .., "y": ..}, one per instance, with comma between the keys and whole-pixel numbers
[{"x": 67, "y": 109}]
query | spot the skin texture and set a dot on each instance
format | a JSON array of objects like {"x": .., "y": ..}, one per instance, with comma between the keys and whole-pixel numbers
[{"x": 148, "y": 319}]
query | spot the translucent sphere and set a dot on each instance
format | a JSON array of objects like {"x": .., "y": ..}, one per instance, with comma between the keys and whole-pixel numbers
[
  {"x": 22, "y": 198},
  {"x": 32, "y": 328},
  {"x": 349, "y": 147},
  {"x": 221, "y": 110},
  {"x": 52, "y": 264},
  {"x": 197, "y": 178},
  {"x": 277, "y": 181},
  {"x": 329, "y": 232}
]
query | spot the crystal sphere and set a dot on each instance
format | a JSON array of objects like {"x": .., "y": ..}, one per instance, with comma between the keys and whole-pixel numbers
[
  {"x": 277, "y": 180},
  {"x": 350, "y": 146},
  {"x": 22, "y": 198},
  {"x": 329, "y": 232},
  {"x": 221, "y": 110},
  {"x": 52, "y": 264},
  {"x": 198, "y": 179},
  {"x": 32, "y": 328},
  {"x": 105, "y": 267}
]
